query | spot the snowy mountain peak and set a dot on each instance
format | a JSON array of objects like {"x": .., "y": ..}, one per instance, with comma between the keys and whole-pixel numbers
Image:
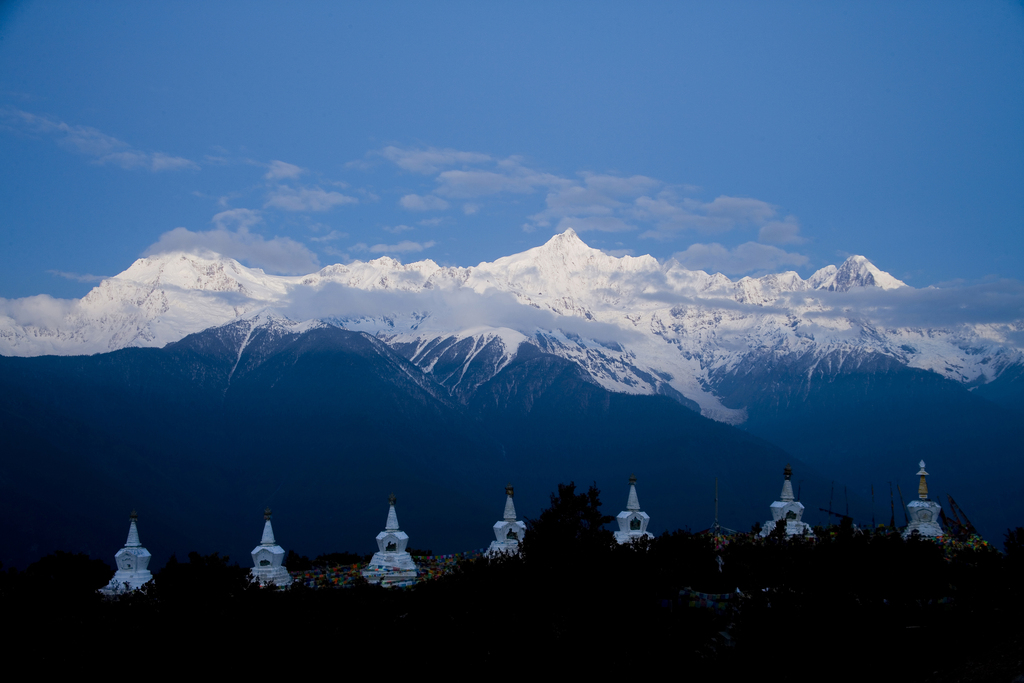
[
  {"x": 855, "y": 271},
  {"x": 560, "y": 274},
  {"x": 185, "y": 271},
  {"x": 566, "y": 247},
  {"x": 633, "y": 324},
  {"x": 820, "y": 277},
  {"x": 566, "y": 240}
]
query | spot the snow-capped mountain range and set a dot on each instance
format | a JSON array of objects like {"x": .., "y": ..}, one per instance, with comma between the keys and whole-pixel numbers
[{"x": 635, "y": 324}]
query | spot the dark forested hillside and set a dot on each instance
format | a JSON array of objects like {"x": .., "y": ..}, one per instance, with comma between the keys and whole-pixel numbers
[{"x": 201, "y": 435}]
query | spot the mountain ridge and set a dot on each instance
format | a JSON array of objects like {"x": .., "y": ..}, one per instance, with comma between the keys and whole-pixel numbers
[{"x": 635, "y": 325}]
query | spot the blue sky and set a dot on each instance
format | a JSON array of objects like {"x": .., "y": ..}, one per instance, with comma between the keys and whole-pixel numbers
[{"x": 739, "y": 137}]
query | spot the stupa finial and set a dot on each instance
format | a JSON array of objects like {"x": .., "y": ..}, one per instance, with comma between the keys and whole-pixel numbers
[
  {"x": 510, "y": 508},
  {"x": 787, "y": 486},
  {"x": 133, "y": 532},
  {"x": 392, "y": 523},
  {"x": 268, "y": 530},
  {"x": 922, "y": 487},
  {"x": 632, "y": 502}
]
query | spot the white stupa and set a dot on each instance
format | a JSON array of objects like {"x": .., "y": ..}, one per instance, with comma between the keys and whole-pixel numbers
[
  {"x": 268, "y": 558},
  {"x": 788, "y": 511},
  {"x": 391, "y": 563},
  {"x": 508, "y": 532},
  {"x": 632, "y": 522},
  {"x": 924, "y": 513},
  {"x": 132, "y": 564}
]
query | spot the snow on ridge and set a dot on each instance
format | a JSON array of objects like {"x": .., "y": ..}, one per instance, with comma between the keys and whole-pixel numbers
[
  {"x": 856, "y": 271},
  {"x": 635, "y": 324}
]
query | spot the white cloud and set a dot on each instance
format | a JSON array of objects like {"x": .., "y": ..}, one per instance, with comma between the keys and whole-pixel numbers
[
  {"x": 672, "y": 214},
  {"x": 620, "y": 186},
  {"x": 150, "y": 161},
  {"x": 739, "y": 209},
  {"x": 430, "y": 160},
  {"x": 592, "y": 205},
  {"x": 786, "y": 231},
  {"x": 105, "y": 149},
  {"x": 510, "y": 177},
  {"x": 79, "y": 277},
  {"x": 405, "y": 246},
  {"x": 225, "y": 200},
  {"x": 745, "y": 258},
  {"x": 237, "y": 218},
  {"x": 334, "y": 251},
  {"x": 164, "y": 162},
  {"x": 395, "y": 229},
  {"x": 415, "y": 202},
  {"x": 576, "y": 205},
  {"x": 468, "y": 184},
  {"x": 576, "y": 199},
  {"x": 41, "y": 310},
  {"x": 279, "y": 255},
  {"x": 591, "y": 201},
  {"x": 998, "y": 302},
  {"x": 306, "y": 199},
  {"x": 330, "y": 237},
  {"x": 280, "y": 169},
  {"x": 458, "y": 309}
]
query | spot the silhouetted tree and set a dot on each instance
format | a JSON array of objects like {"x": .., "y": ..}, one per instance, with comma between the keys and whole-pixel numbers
[
  {"x": 68, "y": 574},
  {"x": 297, "y": 563},
  {"x": 573, "y": 525},
  {"x": 203, "y": 578},
  {"x": 1013, "y": 544}
]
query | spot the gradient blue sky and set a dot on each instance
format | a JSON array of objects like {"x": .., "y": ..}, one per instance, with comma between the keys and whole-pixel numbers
[{"x": 740, "y": 137}]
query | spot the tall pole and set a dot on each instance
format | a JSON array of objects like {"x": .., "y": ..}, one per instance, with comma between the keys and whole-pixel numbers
[
  {"x": 906, "y": 519},
  {"x": 717, "y": 530},
  {"x": 892, "y": 509},
  {"x": 830, "y": 494}
]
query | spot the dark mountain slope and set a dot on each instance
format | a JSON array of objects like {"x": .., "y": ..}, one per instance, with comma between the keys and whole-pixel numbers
[
  {"x": 201, "y": 435},
  {"x": 872, "y": 421},
  {"x": 552, "y": 419},
  {"x": 1007, "y": 390}
]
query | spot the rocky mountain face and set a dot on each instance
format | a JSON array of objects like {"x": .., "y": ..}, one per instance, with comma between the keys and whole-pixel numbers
[{"x": 634, "y": 325}]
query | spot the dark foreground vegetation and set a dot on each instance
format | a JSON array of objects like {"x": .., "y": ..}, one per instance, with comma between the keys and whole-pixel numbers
[{"x": 866, "y": 604}]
